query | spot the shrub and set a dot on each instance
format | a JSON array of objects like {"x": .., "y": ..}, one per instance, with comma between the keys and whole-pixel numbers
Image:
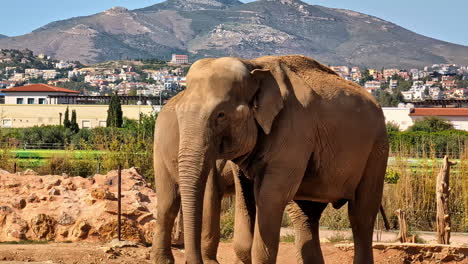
[
  {"x": 431, "y": 124},
  {"x": 335, "y": 219},
  {"x": 57, "y": 165},
  {"x": 227, "y": 224},
  {"x": 392, "y": 127},
  {"x": 391, "y": 176}
]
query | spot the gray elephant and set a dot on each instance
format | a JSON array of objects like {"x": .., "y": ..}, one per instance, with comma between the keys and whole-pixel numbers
[
  {"x": 224, "y": 178},
  {"x": 294, "y": 127}
]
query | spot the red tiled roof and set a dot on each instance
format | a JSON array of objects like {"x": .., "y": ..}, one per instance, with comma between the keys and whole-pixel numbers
[
  {"x": 40, "y": 87},
  {"x": 439, "y": 112}
]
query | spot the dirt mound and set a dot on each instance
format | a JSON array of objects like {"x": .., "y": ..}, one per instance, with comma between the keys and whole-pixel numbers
[
  {"x": 418, "y": 253},
  {"x": 62, "y": 208}
]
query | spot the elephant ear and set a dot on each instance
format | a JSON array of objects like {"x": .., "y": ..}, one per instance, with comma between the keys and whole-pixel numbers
[{"x": 269, "y": 97}]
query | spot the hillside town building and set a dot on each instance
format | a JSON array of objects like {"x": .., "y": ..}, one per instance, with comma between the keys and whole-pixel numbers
[
  {"x": 180, "y": 59},
  {"x": 35, "y": 94}
]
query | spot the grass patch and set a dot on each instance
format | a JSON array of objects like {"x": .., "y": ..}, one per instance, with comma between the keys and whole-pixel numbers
[{"x": 288, "y": 238}]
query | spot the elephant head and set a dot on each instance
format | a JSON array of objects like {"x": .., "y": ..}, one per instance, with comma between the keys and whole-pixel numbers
[{"x": 228, "y": 103}]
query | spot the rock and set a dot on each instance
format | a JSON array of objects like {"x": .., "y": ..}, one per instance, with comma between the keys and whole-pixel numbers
[
  {"x": 56, "y": 182},
  {"x": 101, "y": 194},
  {"x": 5, "y": 209},
  {"x": 90, "y": 201},
  {"x": 29, "y": 172},
  {"x": 43, "y": 226},
  {"x": 17, "y": 229},
  {"x": 68, "y": 184},
  {"x": 107, "y": 250},
  {"x": 54, "y": 191},
  {"x": 65, "y": 176},
  {"x": 19, "y": 203},
  {"x": 145, "y": 218},
  {"x": 32, "y": 198},
  {"x": 80, "y": 230},
  {"x": 12, "y": 185},
  {"x": 65, "y": 219},
  {"x": 63, "y": 231},
  {"x": 142, "y": 198},
  {"x": 115, "y": 243},
  {"x": 132, "y": 210},
  {"x": 130, "y": 230}
]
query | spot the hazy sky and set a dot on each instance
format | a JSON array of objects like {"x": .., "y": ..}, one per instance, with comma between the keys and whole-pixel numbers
[{"x": 445, "y": 20}]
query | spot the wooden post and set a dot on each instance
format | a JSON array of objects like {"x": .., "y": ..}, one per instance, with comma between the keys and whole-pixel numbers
[
  {"x": 178, "y": 230},
  {"x": 119, "y": 203},
  {"x": 403, "y": 233},
  {"x": 442, "y": 196}
]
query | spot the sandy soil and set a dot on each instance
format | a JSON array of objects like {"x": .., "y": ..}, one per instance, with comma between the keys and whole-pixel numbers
[{"x": 81, "y": 253}]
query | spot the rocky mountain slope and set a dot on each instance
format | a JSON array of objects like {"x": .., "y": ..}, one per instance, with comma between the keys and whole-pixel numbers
[
  {"x": 228, "y": 27},
  {"x": 3, "y": 36}
]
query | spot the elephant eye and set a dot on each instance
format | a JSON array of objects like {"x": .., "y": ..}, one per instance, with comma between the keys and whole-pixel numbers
[{"x": 221, "y": 115}]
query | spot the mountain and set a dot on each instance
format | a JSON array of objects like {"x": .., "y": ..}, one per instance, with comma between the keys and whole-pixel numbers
[
  {"x": 190, "y": 5},
  {"x": 3, "y": 36},
  {"x": 228, "y": 27}
]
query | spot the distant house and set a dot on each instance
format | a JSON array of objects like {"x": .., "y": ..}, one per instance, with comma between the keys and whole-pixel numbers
[
  {"x": 180, "y": 59},
  {"x": 35, "y": 94},
  {"x": 408, "y": 95}
]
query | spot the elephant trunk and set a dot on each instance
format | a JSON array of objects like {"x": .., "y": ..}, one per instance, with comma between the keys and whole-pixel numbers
[{"x": 194, "y": 166}]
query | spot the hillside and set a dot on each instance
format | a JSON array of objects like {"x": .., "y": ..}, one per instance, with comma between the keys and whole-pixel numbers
[
  {"x": 228, "y": 27},
  {"x": 3, "y": 36}
]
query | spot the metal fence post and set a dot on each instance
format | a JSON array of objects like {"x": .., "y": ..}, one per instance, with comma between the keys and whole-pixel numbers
[{"x": 119, "y": 199}]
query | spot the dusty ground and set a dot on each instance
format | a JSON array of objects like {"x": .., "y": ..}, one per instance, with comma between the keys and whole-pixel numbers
[{"x": 96, "y": 253}]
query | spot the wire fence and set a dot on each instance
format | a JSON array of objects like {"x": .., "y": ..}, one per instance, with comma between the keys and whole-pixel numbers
[{"x": 411, "y": 181}]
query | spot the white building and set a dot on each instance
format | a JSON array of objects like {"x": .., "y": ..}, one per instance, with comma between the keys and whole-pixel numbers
[
  {"x": 49, "y": 74},
  {"x": 405, "y": 117},
  {"x": 408, "y": 95},
  {"x": 35, "y": 94},
  {"x": 180, "y": 59}
]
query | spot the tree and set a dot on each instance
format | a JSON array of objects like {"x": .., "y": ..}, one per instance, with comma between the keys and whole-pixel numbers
[
  {"x": 73, "y": 124},
  {"x": 386, "y": 99},
  {"x": 365, "y": 76},
  {"x": 114, "y": 113},
  {"x": 66, "y": 119},
  {"x": 431, "y": 124}
]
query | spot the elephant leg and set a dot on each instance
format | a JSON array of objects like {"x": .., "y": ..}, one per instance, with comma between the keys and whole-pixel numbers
[
  {"x": 272, "y": 193},
  {"x": 167, "y": 208},
  {"x": 244, "y": 218},
  {"x": 305, "y": 216},
  {"x": 364, "y": 208},
  {"x": 211, "y": 220}
]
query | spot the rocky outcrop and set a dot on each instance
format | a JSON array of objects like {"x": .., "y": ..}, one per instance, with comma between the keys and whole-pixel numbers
[{"x": 62, "y": 208}]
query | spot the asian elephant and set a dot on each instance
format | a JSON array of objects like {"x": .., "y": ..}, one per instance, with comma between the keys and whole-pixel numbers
[
  {"x": 294, "y": 127},
  {"x": 223, "y": 176}
]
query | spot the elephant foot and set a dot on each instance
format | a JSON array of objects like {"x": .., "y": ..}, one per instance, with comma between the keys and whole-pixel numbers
[
  {"x": 210, "y": 261},
  {"x": 161, "y": 257}
]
